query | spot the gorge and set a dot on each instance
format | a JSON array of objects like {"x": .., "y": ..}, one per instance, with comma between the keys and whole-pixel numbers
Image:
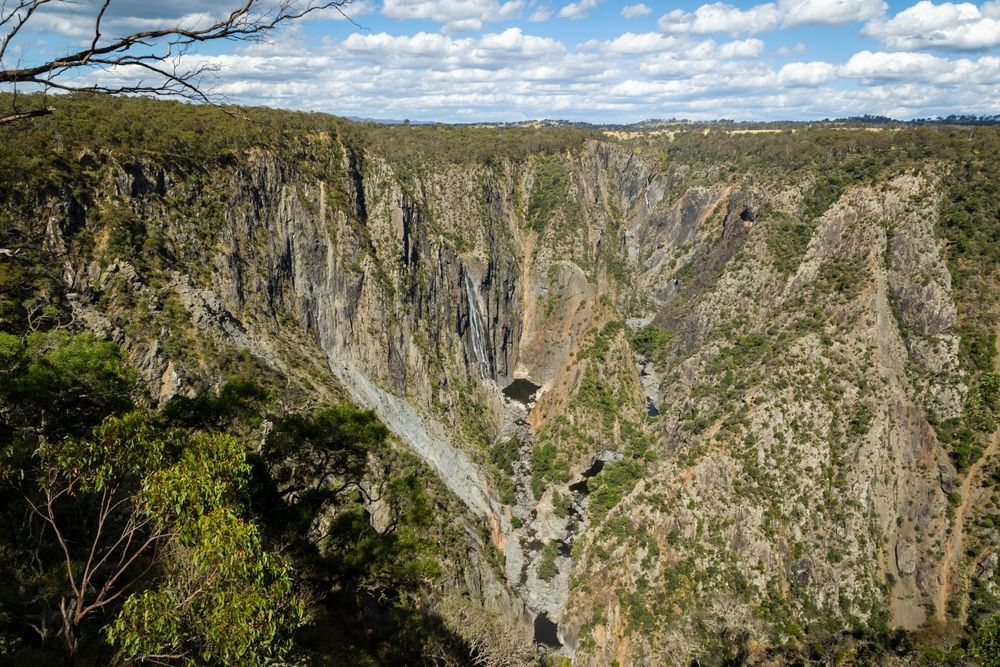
[{"x": 694, "y": 394}]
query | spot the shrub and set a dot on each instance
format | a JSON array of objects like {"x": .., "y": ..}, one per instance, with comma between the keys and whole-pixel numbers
[
  {"x": 547, "y": 566},
  {"x": 652, "y": 342}
]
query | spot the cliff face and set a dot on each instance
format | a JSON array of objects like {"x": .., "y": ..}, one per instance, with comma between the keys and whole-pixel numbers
[{"x": 717, "y": 421}]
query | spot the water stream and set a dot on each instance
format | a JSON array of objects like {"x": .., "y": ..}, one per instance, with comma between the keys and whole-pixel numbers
[
  {"x": 477, "y": 333},
  {"x": 547, "y": 630},
  {"x": 651, "y": 408}
]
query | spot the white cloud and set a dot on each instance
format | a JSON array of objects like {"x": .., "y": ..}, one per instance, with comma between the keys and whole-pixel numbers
[
  {"x": 633, "y": 44},
  {"x": 462, "y": 25},
  {"x": 76, "y": 19},
  {"x": 747, "y": 48},
  {"x": 829, "y": 12},
  {"x": 540, "y": 14},
  {"x": 456, "y": 15},
  {"x": 512, "y": 74},
  {"x": 945, "y": 74},
  {"x": 807, "y": 74},
  {"x": 899, "y": 66},
  {"x": 632, "y": 11},
  {"x": 798, "y": 47},
  {"x": 578, "y": 10},
  {"x": 962, "y": 26},
  {"x": 719, "y": 17},
  {"x": 433, "y": 52}
]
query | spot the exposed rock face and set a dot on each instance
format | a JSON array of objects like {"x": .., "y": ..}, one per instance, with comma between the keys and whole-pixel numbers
[{"x": 791, "y": 465}]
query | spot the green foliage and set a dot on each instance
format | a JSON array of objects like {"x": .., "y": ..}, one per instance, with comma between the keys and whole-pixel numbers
[
  {"x": 547, "y": 568},
  {"x": 607, "y": 489},
  {"x": 126, "y": 233},
  {"x": 970, "y": 209},
  {"x": 652, "y": 342},
  {"x": 841, "y": 276},
  {"x": 968, "y": 220},
  {"x": 224, "y": 599},
  {"x": 547, "y": 465},
  {"x": 303, "y": 450},
  {"x": 743, "y": 353},
  {"x": 191, "y": 516},
  {"x": 989, "y": 390},
  {"x": 238, "y": 399},
  {"x": 977, "y": 345},
  {"x": 594, "y": 394},
  {"x": 550, "y": 190},
  {"x": 861, "y": 421},
  {"x": 65, "y": 383},
  {"x": 507, "y": 489},
  {"x": 602, "y": 342},
  {"x": 787, "y": 239},
  {"x": 30, "y": 284},
  {"x": 833, "y": 178},
  {"x": 415, "y": 145},
  {"x": 135, "y": 493},
  {"x": 324, "y": 468},
  {"x": 119, "y": 451},
  {"x": 985, "y": 645},
  {"x": 503, "y": 454},
  {"x": 964, "y": 435},
  {"x": 210, "y": 472},
  {"x": 964, "y": 446},
  {"x": 393, "y": 561},
  {"x": 640, "y": 616}
]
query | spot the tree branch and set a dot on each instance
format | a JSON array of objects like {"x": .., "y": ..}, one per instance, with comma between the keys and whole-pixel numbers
[
  {"x": 22, "y": 115},
  {"x": 19, "y": 20},
  {"x": 146, "y": 50},
  {"x": 239, "y": 25}
]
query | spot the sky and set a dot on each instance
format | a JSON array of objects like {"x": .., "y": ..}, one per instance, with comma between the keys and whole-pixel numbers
[{"x": 589, "y": 60}]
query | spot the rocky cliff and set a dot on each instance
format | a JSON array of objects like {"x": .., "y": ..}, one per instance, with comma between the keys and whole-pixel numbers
[{"x": 696, "y": 398}]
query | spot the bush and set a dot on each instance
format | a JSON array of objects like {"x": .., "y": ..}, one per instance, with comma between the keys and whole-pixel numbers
[
  {"x": 607, "y": 489},
  {"x": 787, "y": 239},
  {"x": 547, "y": 465},
  {"x": 503, "y": 454},
  {"x": 986, "y": 644},
  {"x": 547, "y": 566},
  {"x": 551, "y": 188},
  {"x": 652, "y": 342}
]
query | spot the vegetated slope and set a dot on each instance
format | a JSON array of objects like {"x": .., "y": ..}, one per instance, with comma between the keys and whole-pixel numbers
[{"x": 761, "y": 360}]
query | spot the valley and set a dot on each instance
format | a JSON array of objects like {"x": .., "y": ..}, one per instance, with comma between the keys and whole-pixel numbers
[{"x": 698, "y": 395}]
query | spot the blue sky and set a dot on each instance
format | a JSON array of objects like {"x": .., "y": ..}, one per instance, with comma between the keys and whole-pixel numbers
[{"x": 591, "y": 60}]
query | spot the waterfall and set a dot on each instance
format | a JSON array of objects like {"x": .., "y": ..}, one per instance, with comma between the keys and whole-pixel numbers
[{"x": 477, "y": 333}]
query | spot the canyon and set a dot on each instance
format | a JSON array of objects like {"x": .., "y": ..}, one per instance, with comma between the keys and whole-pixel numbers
[{"x": 692, "y": 399}]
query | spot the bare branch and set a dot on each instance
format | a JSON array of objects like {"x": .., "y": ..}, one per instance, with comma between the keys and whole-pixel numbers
[
  {"x": 97, "y": 24},
  {"x": 147, "y": 50},
  {"x": 30, "y": 6},
  {"x": 239, "y": 25},
  {"x": 22, "y": 115},
  {"x": 49, "y": 516}
]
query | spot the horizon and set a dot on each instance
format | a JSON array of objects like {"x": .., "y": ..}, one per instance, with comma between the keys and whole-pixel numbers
[{"x": 873, "y": 119}]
